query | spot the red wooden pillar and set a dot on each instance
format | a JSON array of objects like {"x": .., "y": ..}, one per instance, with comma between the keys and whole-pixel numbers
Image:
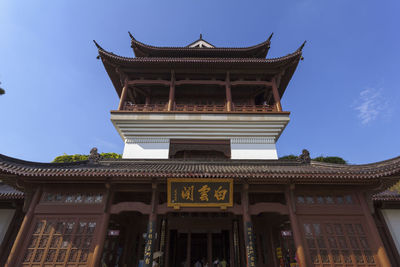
[
  {"x": 228, "y": 93},
  {"x": 151, "y": 229},
  {"x": 248, "y": 229},
  {"x": 16, "y": 250},
  {"x": 295, "y": 228},
  {"x": 171, "y": 100},
  {"x": 275, "y": 93},
  {"x": 373, "y": 231},
  {"x": 123, "y": 95},
  {"x": 102, "y": 232}
]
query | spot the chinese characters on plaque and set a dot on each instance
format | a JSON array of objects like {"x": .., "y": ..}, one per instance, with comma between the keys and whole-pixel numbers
[{"x": 200, "y": 192}]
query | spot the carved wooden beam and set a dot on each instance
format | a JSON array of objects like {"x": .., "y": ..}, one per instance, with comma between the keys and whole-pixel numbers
[
  {"x": 205, "y": 82},
  {"x": 149, "y": 82},
  {"x": 264, "y": 83}
]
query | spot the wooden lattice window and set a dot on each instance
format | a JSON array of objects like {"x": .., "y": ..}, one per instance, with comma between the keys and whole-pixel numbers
[
  {"x": 60, "y": 242},
  {"x": 338, "y": 243}
]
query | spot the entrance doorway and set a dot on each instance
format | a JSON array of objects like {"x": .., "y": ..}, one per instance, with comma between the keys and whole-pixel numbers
[
  {"x": 183, "y": 238},
  {"x": 203, "y": 237},
  {"x": 198, "y": 248},
  {"x": 202, "y": 246}
]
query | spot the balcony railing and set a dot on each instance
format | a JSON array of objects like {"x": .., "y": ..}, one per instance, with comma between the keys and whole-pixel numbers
[{"x": 191, "y": 108}]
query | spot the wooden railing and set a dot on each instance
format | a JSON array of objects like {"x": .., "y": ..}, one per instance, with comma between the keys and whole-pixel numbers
[
  {"x": 145, "y": 107},
  {"x": 252, "y": 108},
  {"x": 192, "y": 108},
  {"x": 199, "y": 108}
]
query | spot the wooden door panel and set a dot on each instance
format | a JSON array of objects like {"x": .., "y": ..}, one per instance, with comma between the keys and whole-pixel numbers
[
  {"x": 60, "y": 241},
  {"x": 338, "y": 241}
]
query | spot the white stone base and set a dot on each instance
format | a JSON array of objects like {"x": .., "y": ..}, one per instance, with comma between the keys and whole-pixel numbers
[{"x": 146, "y": 148}]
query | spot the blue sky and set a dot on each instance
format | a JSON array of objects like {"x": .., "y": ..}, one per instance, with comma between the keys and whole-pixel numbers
[{"x": 343, "y": 97}]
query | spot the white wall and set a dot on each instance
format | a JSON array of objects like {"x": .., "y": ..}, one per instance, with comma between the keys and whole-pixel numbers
[
  {"x": 6, "y": 216},
  {"x": 253, "y": 151},
  {"x": 241, "y": 148},
  {"x": 146, "y": 149},
  {"x": 392, "y": 218}
]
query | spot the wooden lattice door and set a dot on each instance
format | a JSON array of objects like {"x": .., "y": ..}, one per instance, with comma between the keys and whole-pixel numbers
[
  {"x": 61, "y": 241},
  {"x": 338, "y": 243}
]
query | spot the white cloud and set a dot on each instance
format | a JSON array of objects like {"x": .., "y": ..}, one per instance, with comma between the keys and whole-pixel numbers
[{"x": 370, "y": 105}]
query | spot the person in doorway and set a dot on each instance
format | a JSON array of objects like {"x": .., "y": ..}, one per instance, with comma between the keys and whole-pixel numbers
[
  {"x": 198, "y": 264},
  {"x": 223, "y": 263},
  {"x": 216, "y": 263}
]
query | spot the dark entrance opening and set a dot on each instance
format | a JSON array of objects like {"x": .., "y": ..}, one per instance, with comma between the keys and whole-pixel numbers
[
  {"x": 220, "y": 246},
  {"x": 198, "y": 249},
  {"x": 178, "y": 248}
]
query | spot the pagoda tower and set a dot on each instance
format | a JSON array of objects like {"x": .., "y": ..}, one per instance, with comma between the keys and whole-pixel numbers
[{"x": 200, "y": 101}]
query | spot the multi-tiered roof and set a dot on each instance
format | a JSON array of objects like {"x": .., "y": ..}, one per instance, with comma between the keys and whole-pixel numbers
[{"x": 248, "y": 66}]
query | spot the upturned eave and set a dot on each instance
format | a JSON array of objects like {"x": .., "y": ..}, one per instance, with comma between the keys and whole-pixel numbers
[
  {"x": 286, "y": 65},
  {"x": 256, "y": 51}
]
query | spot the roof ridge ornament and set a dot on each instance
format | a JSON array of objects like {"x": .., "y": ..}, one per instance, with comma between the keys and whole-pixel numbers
[
  {"x": 304, "y": 157},
  {"x": 94, "y": 156},
  {"x": 130, "y": 35},
  {"x": 270, "y": 37}
]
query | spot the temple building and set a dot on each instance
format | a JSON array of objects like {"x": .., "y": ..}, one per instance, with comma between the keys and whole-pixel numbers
[{"x": 200, "y": 181}]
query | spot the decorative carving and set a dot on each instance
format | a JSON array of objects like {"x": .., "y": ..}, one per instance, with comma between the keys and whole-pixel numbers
[
  {"x": 146, "y": 140},
  {"x": 94, "y": 155},
  {"x": 250, "y": 140},
  {"x": 304, "y": 157}
]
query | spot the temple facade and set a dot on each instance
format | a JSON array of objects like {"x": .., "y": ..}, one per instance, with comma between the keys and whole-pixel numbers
[{"x": 200, "y": 182}]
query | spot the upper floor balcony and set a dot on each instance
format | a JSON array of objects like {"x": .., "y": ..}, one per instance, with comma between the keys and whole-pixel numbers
[
  {"x": 200, "y": 95},
  {"x": 198, "y": 108}
]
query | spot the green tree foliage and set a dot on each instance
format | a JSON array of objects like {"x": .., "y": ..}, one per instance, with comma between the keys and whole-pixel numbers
[
  {"x": 289, "y": 157},
  {"x": 337, "y": 160},
  {"x": 78, "y": 157}
]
